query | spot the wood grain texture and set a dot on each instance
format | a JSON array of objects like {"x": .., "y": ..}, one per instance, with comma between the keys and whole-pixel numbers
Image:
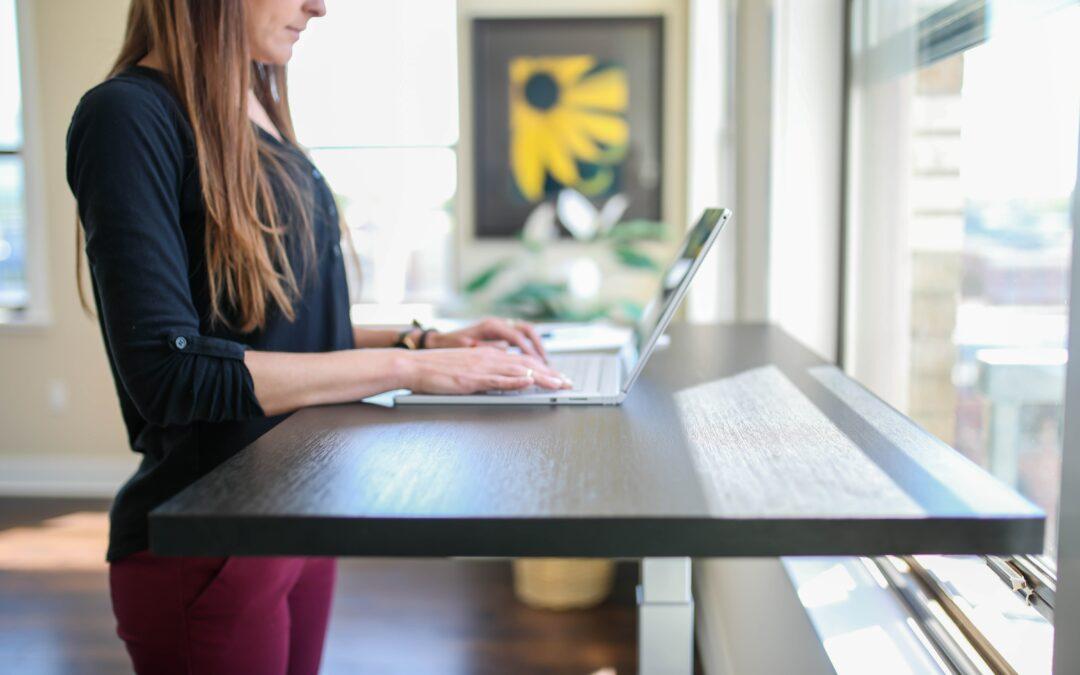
[
  {"x": 759, "y": 446},
  {"x": 968, "y": 482},
  {"x": 728, "y": 445}
]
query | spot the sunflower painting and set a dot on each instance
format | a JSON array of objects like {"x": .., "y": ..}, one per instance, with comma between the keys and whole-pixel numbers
[
  {"x": 566, "y": 111},
  {"x": 565, "y": 103}
]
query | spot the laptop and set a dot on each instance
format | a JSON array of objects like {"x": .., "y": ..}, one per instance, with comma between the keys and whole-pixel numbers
[{"x": 605, "y": 379}]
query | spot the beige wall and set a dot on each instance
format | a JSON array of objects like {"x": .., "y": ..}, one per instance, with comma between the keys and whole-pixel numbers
[{"x": 69, "y": 46}]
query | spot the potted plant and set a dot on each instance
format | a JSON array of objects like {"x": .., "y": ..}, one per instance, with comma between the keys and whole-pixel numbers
[{"x": 546, "y": 280}]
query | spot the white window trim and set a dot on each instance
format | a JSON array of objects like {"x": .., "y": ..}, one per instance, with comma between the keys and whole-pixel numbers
[
  {"x": 39, "y": 311},
  {"x": 1067, "y": 602}
]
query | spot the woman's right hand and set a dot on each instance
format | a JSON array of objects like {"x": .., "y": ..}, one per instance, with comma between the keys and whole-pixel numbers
[{"x": 477, "y": 369}]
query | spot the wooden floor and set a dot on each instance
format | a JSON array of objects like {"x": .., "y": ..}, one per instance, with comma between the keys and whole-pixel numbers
[{"x": 389, "y": 616}]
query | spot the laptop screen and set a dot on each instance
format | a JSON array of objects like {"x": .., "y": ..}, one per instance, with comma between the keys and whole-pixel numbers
[{"x": 676, "y": 278}]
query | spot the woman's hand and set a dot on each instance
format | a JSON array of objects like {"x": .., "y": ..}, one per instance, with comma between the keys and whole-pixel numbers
[
  {"x": 500, "y": 332},
  {"x": 468, "y": 371}
]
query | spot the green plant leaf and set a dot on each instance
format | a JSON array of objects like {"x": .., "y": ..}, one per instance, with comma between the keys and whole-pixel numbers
[
  {"x": 597, "y": 312},
  {"x": 533, "y": 291},
  {"x": 631, "y": 309},
  {"x": 481, "y": 280},
  {"x": 636, "y": 259},
  {"x": 639, "y": 229}
]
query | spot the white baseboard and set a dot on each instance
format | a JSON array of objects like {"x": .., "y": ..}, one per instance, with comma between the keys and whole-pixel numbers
[{"x": 64, "y": 475}]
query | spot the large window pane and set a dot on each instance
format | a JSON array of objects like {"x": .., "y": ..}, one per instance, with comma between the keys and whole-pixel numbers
[
  {"x": 10, "y": 93},
  {"x": 969, "y": 176},
  {"x": 374, "y": 73},
  {"x": 373, "y": 88},
  {"x": 962, "y": 170}
]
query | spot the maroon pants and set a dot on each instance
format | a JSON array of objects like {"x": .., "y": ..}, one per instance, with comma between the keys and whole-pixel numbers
[{"x": 222, "y": 615}]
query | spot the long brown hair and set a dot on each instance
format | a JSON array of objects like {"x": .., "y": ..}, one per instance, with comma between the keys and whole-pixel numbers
[{"x": 207, "y": 63}]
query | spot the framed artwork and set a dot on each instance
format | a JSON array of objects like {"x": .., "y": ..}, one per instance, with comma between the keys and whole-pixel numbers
[{"x": 565, "y": 103}]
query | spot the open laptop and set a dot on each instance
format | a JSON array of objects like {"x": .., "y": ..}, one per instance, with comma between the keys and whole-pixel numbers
[{"x": 605, "y": 379}]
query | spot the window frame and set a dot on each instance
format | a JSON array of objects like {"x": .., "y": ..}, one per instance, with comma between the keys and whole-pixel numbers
[{"x": 37, "y": 313}]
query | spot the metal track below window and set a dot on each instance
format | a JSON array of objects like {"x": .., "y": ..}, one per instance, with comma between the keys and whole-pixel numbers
[
  {"x": 1032, "y": 577},
  {"x": 949, "y": 641}
]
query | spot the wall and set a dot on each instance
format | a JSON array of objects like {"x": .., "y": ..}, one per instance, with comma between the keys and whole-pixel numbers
[
  {"x": 70, "y": 45},
  {"x": 877, "y": 287},
  {"x": 750, "y": 620},
  {"x": 804, "y": 196},
  {"x": 711, "y": 139}
]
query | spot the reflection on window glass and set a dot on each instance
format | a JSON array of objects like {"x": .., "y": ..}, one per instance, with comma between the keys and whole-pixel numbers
[
  {"x": 971, "y": 161},
  {"x": 373, "y": 91},
  {"x": 1016, "y": 119},
  {"x": 968, "y": 164}
]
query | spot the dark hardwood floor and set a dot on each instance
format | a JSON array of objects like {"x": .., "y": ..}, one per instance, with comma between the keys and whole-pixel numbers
[{"x": 389, "y": 615}]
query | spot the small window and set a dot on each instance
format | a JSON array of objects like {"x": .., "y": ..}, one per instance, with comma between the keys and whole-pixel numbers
[{"x": 14, "y": 294}]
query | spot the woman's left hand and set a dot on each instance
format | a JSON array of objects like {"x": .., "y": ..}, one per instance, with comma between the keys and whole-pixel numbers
[{"x": 504, "y": 332}]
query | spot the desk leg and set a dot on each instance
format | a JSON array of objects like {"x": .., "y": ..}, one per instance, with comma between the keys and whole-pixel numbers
[{"x": 665, "y": 617}]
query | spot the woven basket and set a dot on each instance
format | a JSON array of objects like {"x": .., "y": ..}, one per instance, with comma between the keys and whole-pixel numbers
[{"x": 563, "y": 583}]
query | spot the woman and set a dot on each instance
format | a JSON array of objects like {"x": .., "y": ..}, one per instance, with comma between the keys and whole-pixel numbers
[{"x": 213, "y": 246}]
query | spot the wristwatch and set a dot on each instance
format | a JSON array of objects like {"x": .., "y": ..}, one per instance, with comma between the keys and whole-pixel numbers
[{"x": 408, "y": 340}]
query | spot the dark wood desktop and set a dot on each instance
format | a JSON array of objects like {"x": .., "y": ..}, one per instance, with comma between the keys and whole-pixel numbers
[{"x": 736, "y": 441}]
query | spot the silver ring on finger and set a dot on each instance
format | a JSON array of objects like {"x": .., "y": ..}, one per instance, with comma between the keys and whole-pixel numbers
[{"x": 528, "y": 373}]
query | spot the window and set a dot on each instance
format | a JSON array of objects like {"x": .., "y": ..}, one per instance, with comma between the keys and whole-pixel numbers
[
  {"x": 14, "y": 291},
  {"x": 373, "y": 89},
  {"x": 963, "y": 120}
]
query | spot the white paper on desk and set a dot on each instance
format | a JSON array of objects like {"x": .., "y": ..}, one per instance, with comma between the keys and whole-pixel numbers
[
  {"x": 583, "y": 337},
  {"x": 385, "y": 399},
  {"x": 566, "y": 337}
]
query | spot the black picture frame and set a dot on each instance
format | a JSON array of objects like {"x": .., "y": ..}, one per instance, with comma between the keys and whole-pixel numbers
[{"x": 633, "y": 43}]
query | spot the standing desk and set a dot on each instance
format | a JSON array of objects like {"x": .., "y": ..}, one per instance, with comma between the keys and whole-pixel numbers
[{"x": 736, "y": 441}]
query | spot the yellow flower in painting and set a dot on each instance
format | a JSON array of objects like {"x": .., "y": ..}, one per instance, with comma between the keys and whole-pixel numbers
[{"x": 561, "y": 109}]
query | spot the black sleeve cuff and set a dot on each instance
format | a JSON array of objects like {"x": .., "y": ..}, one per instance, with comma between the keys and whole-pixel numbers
[{"x": 206, "y": 346}]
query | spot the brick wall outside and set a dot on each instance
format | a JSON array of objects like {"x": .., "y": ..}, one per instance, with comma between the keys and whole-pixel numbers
[{"x": 936, "y": 237}]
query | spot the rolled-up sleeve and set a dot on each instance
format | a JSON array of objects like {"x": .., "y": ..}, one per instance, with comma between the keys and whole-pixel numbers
[{"x": 125, "y": 166}]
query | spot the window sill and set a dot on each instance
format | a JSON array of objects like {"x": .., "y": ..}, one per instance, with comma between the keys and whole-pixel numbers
[
  {"x": 860, "y": 621},
  {"x": 17, "y": 321},
  {"x": 862, "y": 618}
]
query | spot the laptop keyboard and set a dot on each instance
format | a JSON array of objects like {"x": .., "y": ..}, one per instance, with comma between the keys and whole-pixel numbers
[{"x": 586, "y": 371}]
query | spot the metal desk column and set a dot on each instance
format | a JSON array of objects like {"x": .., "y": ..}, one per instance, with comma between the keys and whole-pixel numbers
[{"x": 665, "y": 617}]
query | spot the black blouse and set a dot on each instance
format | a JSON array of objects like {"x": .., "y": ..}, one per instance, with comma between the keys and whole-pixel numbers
[{"x": 186, "y": 397}]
